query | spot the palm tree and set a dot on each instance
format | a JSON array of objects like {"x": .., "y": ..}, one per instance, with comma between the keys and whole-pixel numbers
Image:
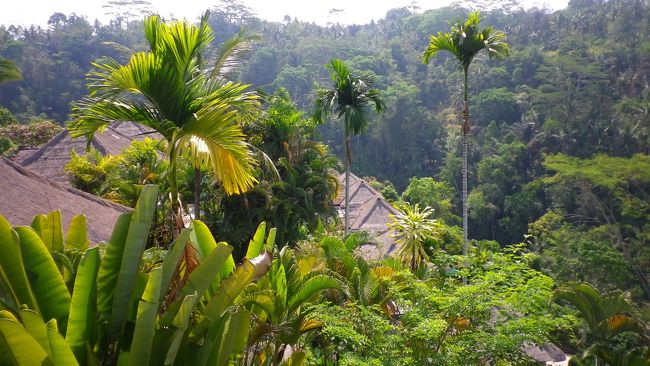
[
  {"x": 606, "y": 316},
  {"x": 349, "y": 99},
  {"x": 465, "y": 41},
  {"x": 412, "y": 227},
  {"x": 171, "y": 90},
  {"x": 8, "y": 71},
  {"x": 281, "y": 301}
]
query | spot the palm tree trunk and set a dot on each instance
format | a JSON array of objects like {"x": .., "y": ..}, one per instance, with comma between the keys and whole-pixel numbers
[
  {"x": 465, "y": 130},
  {"x": 177, "y": 215},
  {"x": 197, "y": 193},
  {"x": 347, "y": 162}
]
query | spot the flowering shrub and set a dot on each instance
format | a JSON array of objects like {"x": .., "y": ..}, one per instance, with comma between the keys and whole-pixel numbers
[{"x": 33, "y": 134}]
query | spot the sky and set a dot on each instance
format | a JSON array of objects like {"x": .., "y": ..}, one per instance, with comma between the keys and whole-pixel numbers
[{"x": 27, "y": 12}]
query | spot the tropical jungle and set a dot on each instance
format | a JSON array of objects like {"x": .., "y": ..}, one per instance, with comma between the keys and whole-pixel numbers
[{"x": 468, "y": 185}]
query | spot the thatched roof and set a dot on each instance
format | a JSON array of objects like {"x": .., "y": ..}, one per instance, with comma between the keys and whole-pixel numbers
[
  {"x": 548, "y": 353},
  {"x": 50, "y": 159},
  {"x": 368, "y": 212},
  {"x": 135, "y": 131},
  {"x": 23, "y": 153},
  {"x": 26, "y": 194}
]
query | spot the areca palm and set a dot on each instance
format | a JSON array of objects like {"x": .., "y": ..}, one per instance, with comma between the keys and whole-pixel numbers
[
  {"x": 412, "y": 227},
  {"x": 465, "y": 41},
  {"x": 280, "y": 303},
  {"x": 349, "y": 99},
  {"x": 170, "y": 90},
  {"x": 8, "y": 71}
]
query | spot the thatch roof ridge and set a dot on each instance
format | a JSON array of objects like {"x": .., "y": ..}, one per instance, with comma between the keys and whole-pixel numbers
[
  {"x": 370, "y": 207},
  {"x": 32, "y": 175},
  {"x": 41, "y": 150},
  {"x": 548, "y": 352},
  {"x": 28, "y": 194},
  {"x": 50, "y": 159}
]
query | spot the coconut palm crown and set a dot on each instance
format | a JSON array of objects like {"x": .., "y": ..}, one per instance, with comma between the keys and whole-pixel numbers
[
  {"x": 465, "y": 41},
  {"x": 350, "y": 98},
  {"x": 172, "y": 90}
]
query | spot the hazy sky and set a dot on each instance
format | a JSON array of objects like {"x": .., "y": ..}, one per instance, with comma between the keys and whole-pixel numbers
[{"x": 25, "y": 12}]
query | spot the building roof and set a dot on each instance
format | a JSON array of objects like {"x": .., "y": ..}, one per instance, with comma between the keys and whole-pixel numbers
[
  {"x": 548, "y": 352},
  {"x": 135, "y": 131},
  {"x": 27, "y": 194},
  {"x": 50, "y": 159},
  {"x": 368, "y": 212}
]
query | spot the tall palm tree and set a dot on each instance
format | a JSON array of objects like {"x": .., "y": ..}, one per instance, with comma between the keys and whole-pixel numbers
[
  {"x": 465, "y": 41},
  {"x": 8, "y": 71},
  {"x": 171, "y": 90},
  {"x": 349, "y": 99}
]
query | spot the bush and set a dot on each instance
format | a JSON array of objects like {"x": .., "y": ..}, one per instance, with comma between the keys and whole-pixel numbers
[{"x": 34, "y": 134}]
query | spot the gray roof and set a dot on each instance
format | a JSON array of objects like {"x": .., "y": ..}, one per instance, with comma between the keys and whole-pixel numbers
[
  {"x": 548, "y": 352},
  {"x": 135, "y": 131},
  {"x": 50, "y": 159},
  {"x": 368, "y": 212},
  {"x": 27, "y": 194}
]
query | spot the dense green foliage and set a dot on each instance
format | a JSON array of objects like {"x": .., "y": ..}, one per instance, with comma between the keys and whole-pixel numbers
[
  {"x": 120, "y": 178},
  {"x": 94, "y": 320},
  {"x": 557, "y": 159}
]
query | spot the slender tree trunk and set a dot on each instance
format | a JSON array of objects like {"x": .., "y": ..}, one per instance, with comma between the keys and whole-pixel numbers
[
  {"x": 465, "y": 130},
  {"x": 197, "y": 193},
  {"x": 177, "y": 215},
  {"x": 347, "y": 161}
]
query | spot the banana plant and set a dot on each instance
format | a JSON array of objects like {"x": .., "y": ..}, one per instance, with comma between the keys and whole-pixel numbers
[{"x": 118, "y": 313}]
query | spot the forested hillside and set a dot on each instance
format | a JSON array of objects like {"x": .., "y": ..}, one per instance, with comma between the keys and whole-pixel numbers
[
  {"x": 561, "y": 128},
  {"x": 231, "y": 129}
]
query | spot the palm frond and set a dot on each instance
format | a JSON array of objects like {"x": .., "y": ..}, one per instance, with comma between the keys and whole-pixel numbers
[
  {"x": 8, "y": 71},
  {"x": 231, "y": 53},
  {"x": 216, "y": 141}
]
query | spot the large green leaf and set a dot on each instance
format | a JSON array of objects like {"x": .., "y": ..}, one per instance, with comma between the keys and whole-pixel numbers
[
  {"x": 205, "y": 243},
  {"x": 145, "y": 325},
  {"x": 208, "y": 269},
  {"x": 212, "y": 340},
  {"x": 233, "y": 339},
  {"x": 256, "y": 245},
  {"x": 14, "y": 275},
  {"x": 34, "y": 325},
  {"x": 18, "y": 348},
  {"x": 77, "y": 236},
  {"x": 180, "y": 323},
  {"x": 232, "y": 286},
  {"x": 109, "y": 268},
  {"x": 173, "y": 256},
  {"x": 136, "y": 241},
  {"x": 44, "y": 277},
  {"x": 585, "y": 298},
  {"x": 278, "y": 280},
  {"x": 83, "y": 310},
  {"x": 59, "y": 349},
  {"x": 49, "y": 229},
  {"x": 270, "y": 240}
]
